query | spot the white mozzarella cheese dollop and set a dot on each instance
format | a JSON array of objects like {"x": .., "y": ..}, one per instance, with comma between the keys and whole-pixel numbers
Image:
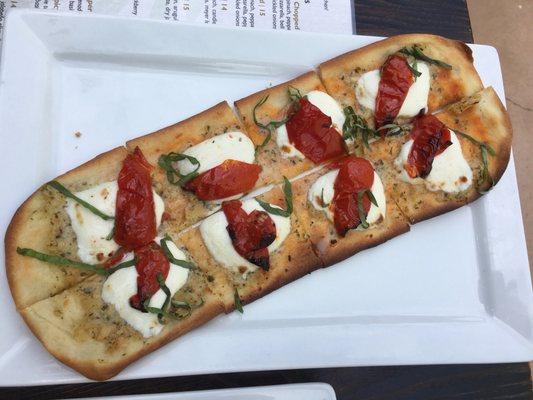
[
  {"x": 212, "y": 152},
  {"x": 450, "y": 171},
  {"x": 121, "y": 285},
  {"x": 216, "y": 238},
  {"x": 91, "y": 230},
  {"x": 323, "y": 189},
  {"x": 325, "y": 103},
  {"x": 366, "y": 91}
]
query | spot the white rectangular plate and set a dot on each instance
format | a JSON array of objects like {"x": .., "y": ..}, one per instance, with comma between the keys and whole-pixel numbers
[
  {"x": 456, "y": 289},
  {"x": 297, "y": 391}
]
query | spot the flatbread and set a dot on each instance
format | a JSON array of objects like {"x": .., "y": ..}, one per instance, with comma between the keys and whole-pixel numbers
[
  {"x": 328, "y": 245},
  {"x": 481, "y": 116},
  {"x": 270, "y": 157},
  {"x": 42, "y": 224},
  {"x": 183, "y": 206},
  {"x": 89, "y": 336},
  {"x": 292, "y": 260},
  {"x": 340, "y": 74}
]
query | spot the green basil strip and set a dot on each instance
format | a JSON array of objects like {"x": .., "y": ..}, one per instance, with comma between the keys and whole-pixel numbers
[
  {"x": 416, "y": 73},
  {"x": 417, "y": 53},
  {"x": 355, "y": 126},
  {"x": 165, "y": 289},
  {"x": 294, "y": 93},
  {"x": 111, "y": 234},
  {"x": 485, "y": 149},
  {"x": 67, "y": 193},
  {"x": 182, "y": 304},
  {"x": 171, "y": 258},
  {"x": 371, "y": 197},
  {"x": 287, "y": 191},
  {"x": 237, "y": 300},
  {"x": 489, "y": 148},
  {"x": 174, "y": 177},
  {"x": 264, "y": 143},
  {"x": 395, "y": 129},
  {"x": 361, "y": 210},
  {"x": 271, "y": 124},
  {"x": 324, "y": 205},
  {"x": 125, "y": 264},
  {"x": 59, "y": 260},
  {"x": 161, "y": 312}
]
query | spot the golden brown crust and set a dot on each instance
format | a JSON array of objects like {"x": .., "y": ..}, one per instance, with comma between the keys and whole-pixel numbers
[
  {"x": 183, "y": 206},
  {"x": 41, "y": 223},
  {"x": 292, "y": 260},
  {"x": 270, "y": 157},
  {"x": 481, "y": 116},
  {"x": 327, "y": 244},
  {"x": 340, "y": 74},
  {"x": 82, "y": 332}
]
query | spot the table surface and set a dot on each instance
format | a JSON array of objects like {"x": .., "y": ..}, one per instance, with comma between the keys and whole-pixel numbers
[{"x": 494, "y": 381}]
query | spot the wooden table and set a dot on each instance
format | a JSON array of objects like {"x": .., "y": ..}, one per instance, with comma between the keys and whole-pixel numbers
[{"x": 495, "y": 381}]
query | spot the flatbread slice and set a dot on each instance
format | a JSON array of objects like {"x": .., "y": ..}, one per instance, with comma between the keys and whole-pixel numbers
[
  {"x": 294, "y": 259},
  {"x": 42, "y": 223},
  {"x": 329, "y": 246},
  {"x": 484, "y": 118},
  {"x": 340, "y": 74},
  {"x": 183, "y": 206},
  {"x": 275, "y": 108},
  {"x": 89, "y": 336}
]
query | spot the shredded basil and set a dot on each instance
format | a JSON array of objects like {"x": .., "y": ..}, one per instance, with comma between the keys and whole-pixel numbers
[
  {"x": 395, "y": 129},
  {"x": 111, "y": 234},
  {"x": 355, "y": 126},
  {"x": 185, "y": 305},
  {"x": 59, "y": 260},
  {"x": 486, "y": 150},
  {"x": 371, "y": 197},
  {"x": 324, "y": 205},
  {"x": 67, "y": 193},
  {"x": 161, "y": 312},
  {"x": 294, "y": 95},
  {"x": 174, "y": 177},
  {"x": 237, "y": 301},
  {"x": 124, "y": 264},
  {"x": 171, "y": 258},
  {"x": 360, "y": 208},
  {"x": 416, "y": 73},
  {"x": 272, "y": 124},
  {"x": 417, "y": 53},
  {"x": 287, "y": 191}
]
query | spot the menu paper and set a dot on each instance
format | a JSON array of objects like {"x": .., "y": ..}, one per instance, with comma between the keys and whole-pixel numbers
[{"x": 329, "y": 16}]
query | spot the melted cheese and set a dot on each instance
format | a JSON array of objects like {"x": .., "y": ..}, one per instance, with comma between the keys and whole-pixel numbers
[
  {"x": 216, "y": 238},
  {"x": 121, "y": 285},
  {"x": 366, "y": 91},
  {"x": 450, "y": 171},
  {"x": 328, "y": 105},
  {"x": 323, "y": 189},
  {"x": 212, "y": 152},
  {"x": 91, "y": 230}
]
